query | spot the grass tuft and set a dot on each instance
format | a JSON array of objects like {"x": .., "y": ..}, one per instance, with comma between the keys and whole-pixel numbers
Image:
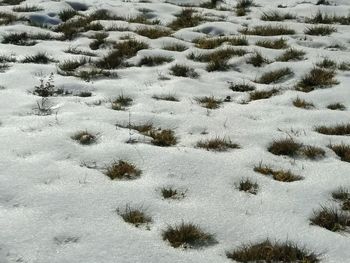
[
  {"x": 84, "y": 138},
  {"x": 183, "y": 71},
  {"x": 151, "y": 61},
  {"x": 269, "y": 30},
  {"x": 331, "y": 219},
  {"x": 209, "y": 102},
  {"x": 301, "y": 103},
  {"x": 291, "y": 54},
  {"x": 286, "y": 147},
  {"x": 273, "y": 44},
  {"x": 339, "y": 129},
  {"x": 122, "y": 170},
  {"x": 241, "y": 87},
  {"x": 278, "y": 175},
  {"x": 336, "y": 106},
  {"x": 246, "y": 185},
  {"x": 275, "y": 76},
  {"x": 342, "y": 150},
  {"x": 217, "y": 144},
  {"x": 187, "y": 18},
  {"x": 317, "y": 78},
  {"x": 121, "y": 102},
  {"x": 320, "y": 30},
  {"x": 135, "y": 216},
  {"x": 163, "y": 138}
]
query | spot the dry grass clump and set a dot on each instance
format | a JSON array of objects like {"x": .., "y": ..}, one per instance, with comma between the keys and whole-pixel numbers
[
  {"x": 19, "y": 39},
  {"x": 153, "y": 32},
  {"x": 320, "y": 30},
  {"x": 248, "y": 186},
  {"x": 336, "y": 106},
  {"x": 291, "y": 54},
  {"x": 171, "y": 193},
  {"x": 8, "y": 18},
  {"x": 217, "y": 144},
  {"x": 67, "y": 14},
  {"x": 71, "y": 65},
  {"x": 183, "y": 71},
  {"x": 243, "y": 7},
  {"x": 324, "y": 18},
  {"x": 339, "y": 129},
  {"x": 257, "y": 60},
  {"x": 262, "y": 94},
  {"x": 317, "y": 78},
  {"x": 121, "y": 102},
  {"x": 276, "y": 16},
  {"x": 163, "y": 138},
  {"x": 187, "y": 235},
  {"x": 268, "y": 251},
  {"x": 143, "y": 128},
  {"x": 39, "y": 58},
  {"x": 135, "y": 216},
  {"x": 218, "y": 55},
  {"x": 175, "y": 47},
  {"x": 327, "y": 63},
  {"x": 84, "y": 137},
  {"x": 241, "y": 87},
  {"x": 275, "y": 76},
  {"x": 301, "y": 103},
  {"x": 312, "y": 152},
  {"x": 286, "y": 147},
  {"x": 278, "y": 175},
  {"x": 187, "y": 18},
  {"x": 273, "y": 44},
  {"x": 331, "y": 219},
  {"x": 167, "y": 97},
  {"x": 211, "y": 43},
  {"x": 122, "y": 170},
  {"x": 268, "y": 30},
  {"x": 209, "y": 102},
  {"x": 77, "y": 51},
  {"x": 151, "y": 61},
  {"x": 343, "y": 195},
  {"x": 342, "y": 150}
]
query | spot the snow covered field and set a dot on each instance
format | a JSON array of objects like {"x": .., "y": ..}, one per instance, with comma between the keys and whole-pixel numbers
[{"x": 243, "y": 155}]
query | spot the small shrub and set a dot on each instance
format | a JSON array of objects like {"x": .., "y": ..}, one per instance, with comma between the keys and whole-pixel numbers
[
  {"x": 171, "y": 193},
  {"x": 154, "y": 60},
  {"x": 286, "y": 147},
  {"x": 187, "y": 235},
  {"x": 300, "y": 103},
  {"x": 248, "y": 186},
  {"x": 121, "y": 102},
  {"x": 340, "y": 129},
  {"x": 257, "y": 60},
  {"x": 209, "y": 102},
  {"x": 153, "y": 33},
  {"x": 163, "y": 138},
  {"x": 262, "y": 94},
  {"x": 241, "y": 87},
  {"x": 275, "y": 76},
  {"x": 122, "y": 170},
  {"x": 336, "y": 106},
  {"x": 291, "y": 54},
  {"x": 135, "y": 216},
  {"x": 331, "y": 219},
  {"x": 187, "y": 18},
  {"x": 273, "y": 44},
  {"x": 268, "y": 30},
  {"x": 320, "y": 30},
  {"x": 267, "y": 251},
  {"x": 278, "y": 175},
  {"x": 217, "y": 144},
  {"x": 342, "y": 150},
  {"x": 183, "y": 71},
  {"x": 317, "y": 78},
  {"x": 84, "y": 137}
]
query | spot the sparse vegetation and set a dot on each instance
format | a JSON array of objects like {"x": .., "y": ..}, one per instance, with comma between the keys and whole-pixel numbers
[
  {"x": 257, "y": 60},
  {"x": 291, "y": 54},
  {"x": 339, "y": 129},
  {"x": 187, "y": 235},
  {"x": 273, "y": 44},
  {"x": 320, "y": 30},
  {"x": 268, "y": 30},
  {"x": 171, "y": 193},
  {"x": 187, "y": 18},
  {"x": 121, "y": 102},
  {"x": 84, "y": 137},
  {"x": 262, "y": 94},
  {"x": 276, "y": 16},
  {"x": 248, "y": 186},
  {"x": 183, "y": 71},
  {"x": 209, "y": 102},
  {"x": 39, "y": 58},
  {"x": 217, "y": 144},
  {"x": 331, "y": 219},
  {"x": 324, "y": 18},
  {"x": 342, "y": 150},
  {"x": 241, "y": 87},
  {"x": 301, "y": 103},
  {"x": 175, "y": 47},
  {"x": 163, "y": 138},
  {"x": 336, "y": 106},
  {"x": 268, "y": 251},
  {"x": 151, "y": 61},
  {"x": 211, "y": 43},
  {"x": 167, "y": 97},
  {"x": 122, "y": 170},
  {"x": 286, "y": 147},
  {"x": 278, "y": 175},
  {"x": 275, "y": 76},
  {"x": 136, "y": 216},
  {"x": 317, "y": 78}
]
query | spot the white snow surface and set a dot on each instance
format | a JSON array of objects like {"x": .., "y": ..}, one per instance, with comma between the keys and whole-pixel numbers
[{"x": 54, "y": 209}]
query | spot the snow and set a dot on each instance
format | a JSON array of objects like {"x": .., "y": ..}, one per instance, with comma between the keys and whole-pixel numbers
[{"x": 55, "y": 209}]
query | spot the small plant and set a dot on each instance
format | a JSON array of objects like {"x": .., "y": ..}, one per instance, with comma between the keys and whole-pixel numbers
[
  {"x": 268, "y": 251},
  {"x": 67, "y": 14},
  {"x": 327, "y": 63},
  {"x": 341, "y": 194},
  {"x": 342, "y": 150},
  {"x": 171, "y": 193},
  {"x": 312, "y": 152},
  {"x": 84, "y": 137},
  {"x": 331, "y": 219},
  {"x": 217, "y": 144},
  {"x": 19, "y": 39},
  {"x": 291, "y": 55},
  {"x": 262, "y": 94},
  {"x": 317, "y": 78},
  {"x": 286, "y": 147},
  {"x": 278, "y": 175},
  {"x": 122, "y": 170},
  {"x": 39, "y": 58},
  {"x": 241, "y": 87},
  {"x": 336, "y": 106},
  {"x": 183, "y": 71},
  {"x": 187, "y": 18},
  {"x": 211, "y": 43},
  {"x": 46, "y": 87},
  {"x": 71, "y": 65},
  {"x": 300, "y": 103},
  {"x": 121, "y": 102},
  {"x": 153, "y": 33},
  {"x": 320, "y": 30},
  {"x": 268, "y": 30},
  {"x": 339, "y": 129},
  {"x": 276, "y": 16},
  {"x": 167, "y": 97},
  {"x": 187, "y": 235},
  {"x": 175, "y": 47},
  {"x": 135, "y": 216},
  {"x": 99, "y": 40},
  {"x": 163, "y": 138},
  {"x": 209, "y": 102},
  {"x": 275, "y": 76},
  {"x": 257, "y": 60},
  {"x": 154, "y": 60},
  {"x": 273, "y": 44},
  {"x": 246, "y": 185}
]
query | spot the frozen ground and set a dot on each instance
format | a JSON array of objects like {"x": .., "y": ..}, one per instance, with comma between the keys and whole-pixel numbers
[{"x": 56, "y": 203}]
